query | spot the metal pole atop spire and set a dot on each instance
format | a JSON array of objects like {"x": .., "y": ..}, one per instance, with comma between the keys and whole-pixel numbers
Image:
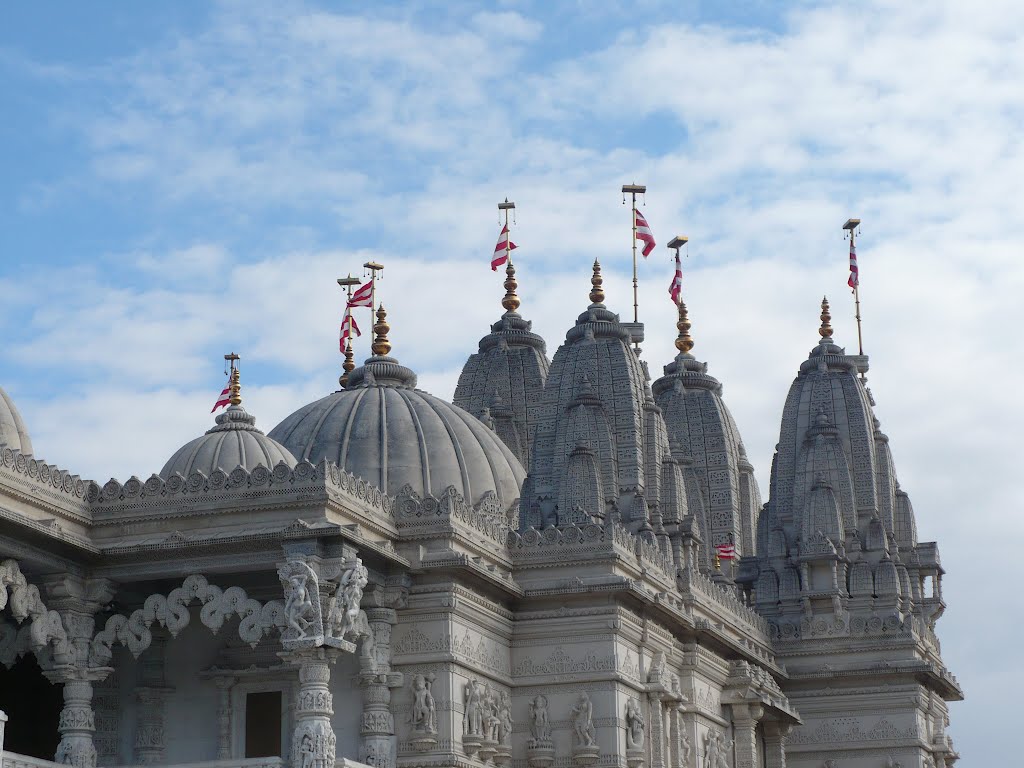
[
  {"x": 506, "y": 207},
  {"x": 234, "y": 382},
  {"x": 851, "y": 227},
  {"x": 349, "y": 365},
  {"x": 373, "y": 268},
  {"x": 511, "y": 300},
  {"x": 634, "y": 190}
]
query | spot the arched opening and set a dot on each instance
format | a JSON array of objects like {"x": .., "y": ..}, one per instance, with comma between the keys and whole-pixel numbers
[{"x": 32, "y": 704}]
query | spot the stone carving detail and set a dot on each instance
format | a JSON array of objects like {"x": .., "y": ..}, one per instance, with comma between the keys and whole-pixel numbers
[
  {"x": 46, "y": 627},
  {"x": 636, "y": 726},
  {"x": 424, "y": 710},
  {"x": 53, "y": 478},
  {"x": 830, "y": 733},
  {"x": 315, "y": 746},
  {"x": 486, "y": 517},
  {"x": 473, "y": 718},
  {"x": 540, "y": 725},
  {"x": 480, "y": 649},
  {"x": 325, "y": 474},
  {"x": 305, "y": 623},
  {"x": 585, "y": 750},
  {"x": 716, "y": 750},
  {"x": 172, "y": 612},
  {"x": 344, "y": 611},
  {"x": 561, "y": 663}
]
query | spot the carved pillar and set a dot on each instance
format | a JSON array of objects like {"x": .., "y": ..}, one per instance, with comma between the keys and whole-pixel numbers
[
  {"x": 744, "y": 720},
  {"x": 657, "y": 730},
  {"x": 313, "y": 742},
  {"x": 150, "y": 696},
  {"x": 224, "y": 684},
  {"x": 77, "y": 599},
  {"x": 377, "y": 724},
  {"x": 775, "y": 743}
]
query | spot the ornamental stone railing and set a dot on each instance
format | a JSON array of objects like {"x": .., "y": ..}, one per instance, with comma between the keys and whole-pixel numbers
[
  {"x": 695, "y": 581},
  {"x": 487, "y": 516},
  {"x": 14, "y": 760},
  {"x": 239, "y": 480},
  {"x": 45, "y": 475}
]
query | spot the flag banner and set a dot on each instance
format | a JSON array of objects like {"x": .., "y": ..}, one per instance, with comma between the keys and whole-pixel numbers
[
  {"x": 726, "y": 551},
  {"x": 676, "y": 289},
  {"x": 348, "y": 327},
  {"x": 363, "y": 296},
  {"x": 643, "y": 232},
  {"x": 854, "y": 279},
  {"x": 501, "y": 250},
  {"x": 224, "y": 400}
]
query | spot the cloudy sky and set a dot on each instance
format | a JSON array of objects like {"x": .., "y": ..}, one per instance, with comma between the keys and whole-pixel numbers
[{"x": 183, "y": 180}]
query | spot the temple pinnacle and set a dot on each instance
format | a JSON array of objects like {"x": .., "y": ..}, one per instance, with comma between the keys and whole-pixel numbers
[
  {"x": 234, "y": 382},
  {"x": 511, "y": 301},
  {"x": 597, "y": 292},
  {"x": 349, "y": 365},
  {"x": 381, "y": 346},
  {"x": 826, "y": 328},
  {"x": 684, "y": 342}
]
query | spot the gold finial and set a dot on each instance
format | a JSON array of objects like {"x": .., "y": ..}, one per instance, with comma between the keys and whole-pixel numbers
[
  {"x": 826, "y": 328},
  {"x": 381, "y": 346},
  {"x": 234, "y": 383},
  {"x": 349, "y": 365},
  {"x": 597, "y": 292},
  {"x": 511, "y": 301},
  {"x": 684, "y": 342}
]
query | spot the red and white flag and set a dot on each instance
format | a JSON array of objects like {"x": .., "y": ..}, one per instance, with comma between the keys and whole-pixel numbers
[
  {"x": 501, "y": 250},
  {"x": 676, "y": 288},
  {"x": 854, "y": 279},
  {"x": 224, "y": 400},
  {"x": 363, "y": 297},
  {"x": 726, "y": 551},
  {"x": 348, "y": 327},
  {"x": 643, "y": 232}
]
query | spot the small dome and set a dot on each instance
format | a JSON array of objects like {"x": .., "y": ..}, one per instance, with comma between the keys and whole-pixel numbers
[
  {"x": 234, "y": 442},
  {"x": 382, "y": 429},
  {"x": 13, "y": 433}
]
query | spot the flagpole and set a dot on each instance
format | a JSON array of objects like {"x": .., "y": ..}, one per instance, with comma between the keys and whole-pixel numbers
[
  {"x": 506, "y": 207},
  {"x": 349, "y": 365},
  {"x": 374, "y": 268},
  {"x": 851, "y": 226},
  {"x": 634, "y": 190}
]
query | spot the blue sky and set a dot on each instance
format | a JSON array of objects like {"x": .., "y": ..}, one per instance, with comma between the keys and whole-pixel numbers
[{"x": 180, "y": 180}]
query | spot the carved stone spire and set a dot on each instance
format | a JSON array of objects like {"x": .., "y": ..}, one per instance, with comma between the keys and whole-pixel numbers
[{"x": 597, "y": 292}]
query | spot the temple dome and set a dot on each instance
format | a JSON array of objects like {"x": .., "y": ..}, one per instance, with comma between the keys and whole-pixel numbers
[
  {"x": 13, "y": 433},
  {"x": 384, "y": 430},
  {"x": 233, "y": 442}
]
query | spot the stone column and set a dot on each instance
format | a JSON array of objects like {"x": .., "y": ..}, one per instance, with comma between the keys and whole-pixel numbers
[
  {"x": 775, "y": 743},
  {"x": 77, "y": 721},
  {"x": 377, "y": 724},
  {"x": 313, "y": 741},
  {"x": 657, "y": 730},
  {"x": 744, "y": 720},
  {"x": 224, "y": 736},
  {"x": 150, "y": 696}
]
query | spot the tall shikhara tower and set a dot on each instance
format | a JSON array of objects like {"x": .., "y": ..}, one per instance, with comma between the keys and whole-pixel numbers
[{"x": 851, "y": 594}]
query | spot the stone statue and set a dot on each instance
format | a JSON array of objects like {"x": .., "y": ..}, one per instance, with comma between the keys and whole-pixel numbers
[
  {"x": 473, "y": 719},
  {"x": 540, "y": 728},
  {"x": 684, "y": 748},
  {"x": 582, "y": 721},
  {"x": 424, "y": 711},
  {"x": 491, "y": 719},
  {"x": 307, "y": 751},
  {"x": 298, "y": 606},
  {"x": 635, "y": 725},
  {"x": 505, "y": 719},
  {"x": 711, "y": 750},
  {"x": 345, "y": 607}
]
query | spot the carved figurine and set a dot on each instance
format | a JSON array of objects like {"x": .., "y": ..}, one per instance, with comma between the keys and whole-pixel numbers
[
  {"x": 711, "y": 750},
  {"x": 424, "y": 712},
  {"x": 540, "y": 729},
  {"x": 635, "y": 725},
  {"x": 473, "y": 719},
  {"x": 582, "y": 721},
  {"x": 684, "y": 749},
  {"x": 307, "y": 751},
  {"x": 505, "y": 719},
  {"x": 490, "y": 714},
  {"x": 345, "y": 615},
  {"x": 298, "y": 605}
]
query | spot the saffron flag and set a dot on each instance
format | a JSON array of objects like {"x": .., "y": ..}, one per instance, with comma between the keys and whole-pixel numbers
[
  {"x": 643, "y": 232},
  {"x": 726, "y": 551},
  {"x": 854, "y": 279},
  {"x": 676, "y": 288},
  {"x": 502, "y": 249},
  {"x": 224, "y": 399},
  {"x": 363, "y": 297},
  {"x": 348, "y": 327}
]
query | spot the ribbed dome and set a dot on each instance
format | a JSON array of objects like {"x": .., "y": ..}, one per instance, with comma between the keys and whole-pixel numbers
[
  {"x": 13, "y": 433},
  {"x": 383, "y": 430},
  {"x": 234, "y": 442}
]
